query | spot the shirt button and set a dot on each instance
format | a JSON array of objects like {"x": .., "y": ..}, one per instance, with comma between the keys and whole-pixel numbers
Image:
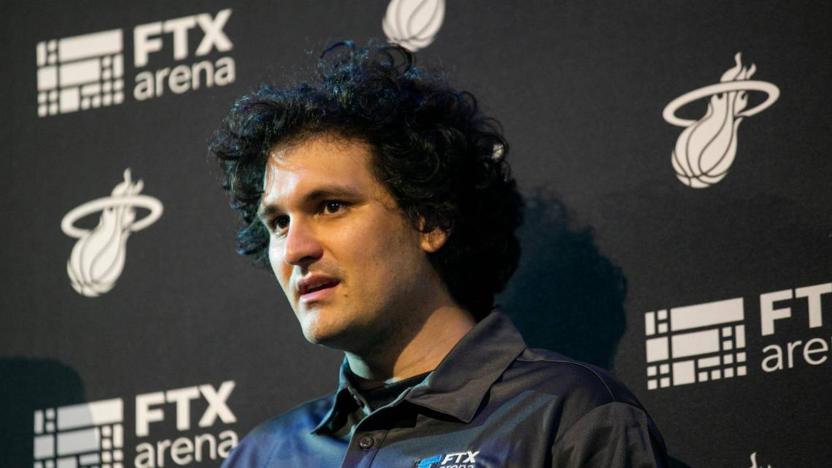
[{"x": 366, "y": 442}]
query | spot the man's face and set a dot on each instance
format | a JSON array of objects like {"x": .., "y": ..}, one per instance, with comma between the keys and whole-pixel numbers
[{"x": 349, "y": 262}]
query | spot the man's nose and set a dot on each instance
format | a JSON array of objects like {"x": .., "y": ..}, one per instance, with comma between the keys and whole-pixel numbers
[{"x": 302, "y": 246}]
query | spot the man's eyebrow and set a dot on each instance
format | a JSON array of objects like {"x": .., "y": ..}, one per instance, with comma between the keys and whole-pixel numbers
[
  {"x": 319, "y": 193},
  {"x": 264, "y": 212},
  {"x": 331, "y": 191}
]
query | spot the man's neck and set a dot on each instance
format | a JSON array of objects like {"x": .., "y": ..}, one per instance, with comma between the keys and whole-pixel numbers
[{"x": 416, "y": 353}]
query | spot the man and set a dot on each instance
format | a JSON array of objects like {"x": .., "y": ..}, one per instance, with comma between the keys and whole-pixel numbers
[{"x": 382, "y": 199}]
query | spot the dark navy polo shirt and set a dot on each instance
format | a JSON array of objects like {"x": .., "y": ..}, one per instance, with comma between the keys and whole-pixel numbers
[{"x": 492, "y": 402}]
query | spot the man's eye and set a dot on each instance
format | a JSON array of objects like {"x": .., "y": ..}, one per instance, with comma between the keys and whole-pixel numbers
[
  {"x": 280, "y": 222},
  {"x": 333, "y": 206}
]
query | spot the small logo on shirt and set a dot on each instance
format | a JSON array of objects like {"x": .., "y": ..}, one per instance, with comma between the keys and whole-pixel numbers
[{"x": 464, "y": 459}]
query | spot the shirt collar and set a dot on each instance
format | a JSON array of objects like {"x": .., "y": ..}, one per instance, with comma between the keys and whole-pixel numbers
[
  {"x": 461, "y": 380},
  {"x": 343, "y": 401}
]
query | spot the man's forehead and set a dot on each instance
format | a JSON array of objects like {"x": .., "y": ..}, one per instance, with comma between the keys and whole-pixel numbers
[
  {"x": 328, "y": 142},
  {"x": 315, "y": 165},
  {"x": 317, "y": 159}
]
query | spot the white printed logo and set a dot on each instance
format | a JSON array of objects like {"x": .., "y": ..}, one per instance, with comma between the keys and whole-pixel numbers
[
  {"x": 413, "y": 24},
  {"x": 98, "y": 257},
  {"x": 80, "y": 72},
  {"x": 158, "y": 37},
  {"x": 695, "y": 343},
  {"x": 466, "y": 459},
  {"x": 92, "y": 434},
  {"x": 706, "y": 148},
  {"x": 88, "y": 71},
  {"x": 87, "y": 434},
  {"x": 708, "y": 341},
  {"x": 754, "y": 462}
]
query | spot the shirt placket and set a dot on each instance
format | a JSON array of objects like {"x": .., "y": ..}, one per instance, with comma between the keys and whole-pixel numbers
[{"x": 366, "y": 443}]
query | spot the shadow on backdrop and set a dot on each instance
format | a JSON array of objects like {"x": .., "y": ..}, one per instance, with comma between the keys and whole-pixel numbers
[
  {"x": 27, "y": 385},
  {"x": 565, "y": 295}
]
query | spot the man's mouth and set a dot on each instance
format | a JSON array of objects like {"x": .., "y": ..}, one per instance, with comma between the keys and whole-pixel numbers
[{"x": 315, "y": 287}]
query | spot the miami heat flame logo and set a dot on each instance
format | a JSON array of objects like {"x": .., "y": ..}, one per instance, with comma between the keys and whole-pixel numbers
[
  {"x": 413, "y": 24},
  {"x": 754, "y": 462},
  {"x": 707, "y": 147},
  {"x": 97, "y": 259}
]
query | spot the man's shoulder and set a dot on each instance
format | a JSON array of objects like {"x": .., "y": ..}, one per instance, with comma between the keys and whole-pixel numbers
[
  {"x": 588, "y": 407},
  {"x": 579, "y": 387},
  {"x": 597, "y": 417},
  {"x": 259, "y": 446}
]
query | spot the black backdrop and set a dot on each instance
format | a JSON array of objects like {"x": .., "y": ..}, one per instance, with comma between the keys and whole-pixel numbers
[{"x": 613, "y": 238}]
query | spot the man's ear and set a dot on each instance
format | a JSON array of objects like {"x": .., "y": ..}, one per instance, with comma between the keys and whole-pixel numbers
[{"x": 433, "y": 240}]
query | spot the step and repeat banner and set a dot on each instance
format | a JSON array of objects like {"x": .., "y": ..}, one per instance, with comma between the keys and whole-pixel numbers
[{"x": 675, "y": 157}]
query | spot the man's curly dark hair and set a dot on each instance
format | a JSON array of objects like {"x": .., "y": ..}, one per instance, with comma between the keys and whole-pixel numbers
[{"x": 443, "y": 161}]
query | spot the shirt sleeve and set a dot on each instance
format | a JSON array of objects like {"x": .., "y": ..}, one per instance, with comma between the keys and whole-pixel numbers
[{"x": 613, "y": 435}]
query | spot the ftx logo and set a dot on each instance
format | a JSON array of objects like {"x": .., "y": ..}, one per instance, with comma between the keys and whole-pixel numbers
[
  {"x": 92, "y": 434},
  {"x": 88, "y": 71},
  {"x": 464, "y": 459},
  {"x": 707, "y": 342}
]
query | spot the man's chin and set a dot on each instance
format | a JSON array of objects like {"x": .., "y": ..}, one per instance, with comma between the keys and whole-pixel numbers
[
  {"x": 334, "y": 336},
  {"x": 324, "y": 334},
  {"x": 324, "y": 339}
]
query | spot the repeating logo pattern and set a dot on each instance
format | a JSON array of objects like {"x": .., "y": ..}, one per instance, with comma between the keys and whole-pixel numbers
[
  {"x": 707, "y": 147},
  {"x": 413, "y": 24},
  {"x": 92, "y": 70},
  {"x": 80, "y": 72},
  {"x": 98, "y": 257},
  {"x": 92, "y": 435},
  {"x": 82, "y": 435},
  {"x": 695, "y": 343}
]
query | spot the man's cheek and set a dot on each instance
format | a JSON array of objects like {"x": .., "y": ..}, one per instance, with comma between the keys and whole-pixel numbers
[
  {"x": 276, "y": 261},
  {"x": 284, "y": 278},
  {"x": 283, "y": 274}
]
